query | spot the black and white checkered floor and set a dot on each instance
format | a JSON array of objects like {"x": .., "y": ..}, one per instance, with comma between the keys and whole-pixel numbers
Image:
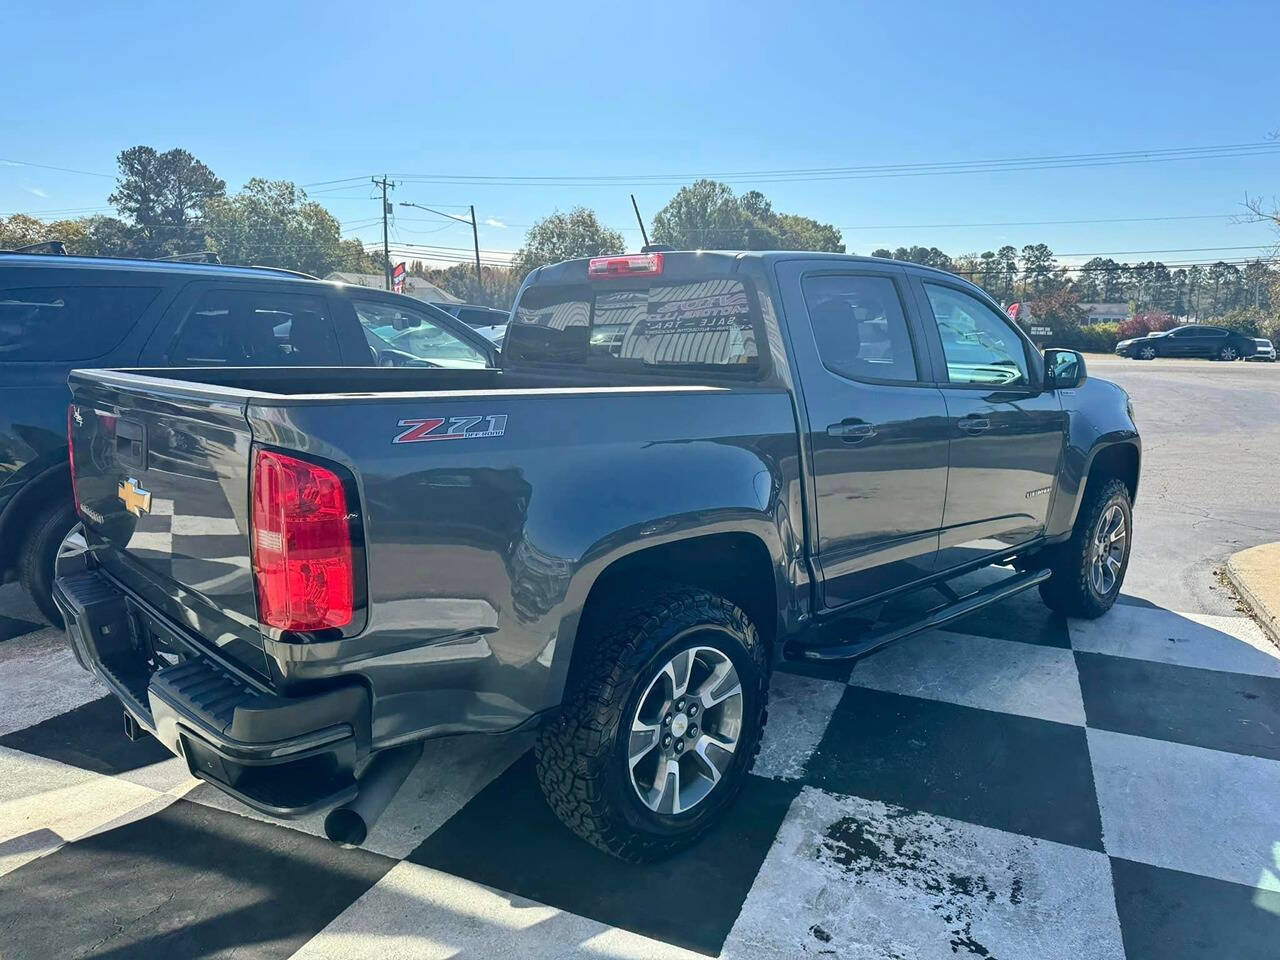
[{"x": 1019, "y": 786}]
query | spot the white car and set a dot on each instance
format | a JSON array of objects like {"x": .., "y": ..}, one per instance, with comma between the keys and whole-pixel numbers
[{"x": 1266, "y": 350}]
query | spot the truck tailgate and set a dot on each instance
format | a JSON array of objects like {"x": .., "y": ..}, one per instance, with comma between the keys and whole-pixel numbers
[{"x": 162, "y": 480}]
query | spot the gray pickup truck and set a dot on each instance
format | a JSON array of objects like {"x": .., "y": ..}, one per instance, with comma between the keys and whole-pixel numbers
[{"x": 690, "y": 467}]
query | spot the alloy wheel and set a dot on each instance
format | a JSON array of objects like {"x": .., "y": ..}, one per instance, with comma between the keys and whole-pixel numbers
[
  {"x": 685, "y": 730},
  {"x": 1107, "y": 553},
  {"x": 1229, "y": 353},
  {"x": 1148, "y": 353}
]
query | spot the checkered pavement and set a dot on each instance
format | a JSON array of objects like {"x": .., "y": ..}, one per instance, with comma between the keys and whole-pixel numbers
[{"x": 1019, "y": 786}]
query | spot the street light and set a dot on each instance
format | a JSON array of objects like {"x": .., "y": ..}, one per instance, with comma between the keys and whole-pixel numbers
[{"x": 475, "y": 234}]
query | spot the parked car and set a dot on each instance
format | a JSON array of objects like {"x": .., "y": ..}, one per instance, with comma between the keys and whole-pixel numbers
[
  {"x": 1266, "y": 350},
  {"x": 492, "y": 323},
  {"x": 59, "y": 312},
  {"x": 1194, "y": 340},
  {"x": 690, "y": 466}
]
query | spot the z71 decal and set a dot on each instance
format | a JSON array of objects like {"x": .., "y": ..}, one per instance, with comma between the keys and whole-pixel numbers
[{"x": 459, "y": 428}]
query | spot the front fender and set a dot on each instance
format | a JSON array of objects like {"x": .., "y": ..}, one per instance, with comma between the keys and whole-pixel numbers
[{"x": 1097, "y": 421}]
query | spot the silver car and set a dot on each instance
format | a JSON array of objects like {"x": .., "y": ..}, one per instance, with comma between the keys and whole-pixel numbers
[{"x": 1266, "y": 350}]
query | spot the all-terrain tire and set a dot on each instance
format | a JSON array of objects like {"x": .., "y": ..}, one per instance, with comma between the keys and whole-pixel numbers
[
  {"x": 581, "y": 757},
  {"x": 1071, "y": 590},
  {"x": 39, "y": 551}
]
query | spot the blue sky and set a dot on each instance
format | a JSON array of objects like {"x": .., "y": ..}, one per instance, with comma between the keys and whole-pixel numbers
[{"x": 321, "y": 91}]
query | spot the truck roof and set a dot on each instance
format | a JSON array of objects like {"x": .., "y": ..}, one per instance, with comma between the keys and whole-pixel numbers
[{"x": 727, "y": 257}]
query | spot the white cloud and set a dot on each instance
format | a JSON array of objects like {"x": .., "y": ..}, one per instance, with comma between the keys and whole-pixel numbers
[
  {"x": 493, "y": 222},
  {"x": 36, "y": 192}
]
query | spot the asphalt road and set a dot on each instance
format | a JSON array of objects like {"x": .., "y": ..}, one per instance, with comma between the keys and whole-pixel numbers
[{"x": 1210, "y": 472}]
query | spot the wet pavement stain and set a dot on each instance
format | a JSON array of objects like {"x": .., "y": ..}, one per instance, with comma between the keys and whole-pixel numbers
[{"x": 862, "y": 847}]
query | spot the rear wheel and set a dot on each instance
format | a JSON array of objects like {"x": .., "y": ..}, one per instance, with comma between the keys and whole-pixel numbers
[
  {"x": 1089, "y": 569},
  {"x": 39, "y": 552},
  {"x": 659, "y": 727}
]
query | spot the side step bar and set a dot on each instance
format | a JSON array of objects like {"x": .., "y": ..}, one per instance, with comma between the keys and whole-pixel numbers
[{"x": 939, "y": 616}]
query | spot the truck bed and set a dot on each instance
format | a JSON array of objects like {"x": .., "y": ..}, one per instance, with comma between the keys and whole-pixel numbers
[
  {"x": 471, "y": 551},
  {"x": 366, "y": 381}
]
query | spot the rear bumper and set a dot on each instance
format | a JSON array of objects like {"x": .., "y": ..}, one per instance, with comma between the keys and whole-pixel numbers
[{"x": 284, "y": 756}]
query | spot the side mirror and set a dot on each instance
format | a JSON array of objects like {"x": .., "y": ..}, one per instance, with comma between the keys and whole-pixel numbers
[{"x": 1063, "y": 369}]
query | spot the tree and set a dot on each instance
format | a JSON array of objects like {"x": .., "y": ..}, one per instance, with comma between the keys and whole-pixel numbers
[
  {"x": 1038, "y": 266},
  {"x": 1007, "y": 266},
  {"x": 1060, "y": 309},
  {"x": 805, "y": 233},
  {"x": 707, "y": 215},
  {"x": 165, "y": 195},
  {"x": 969, "y": 266},
  {"x": 566, "y": 236},
  {"x": 929, "y": 256},
  {"x": 1225, "y": 280},
  {"x": 272, "y": 223},
  {"x": 497, "y": 286}
]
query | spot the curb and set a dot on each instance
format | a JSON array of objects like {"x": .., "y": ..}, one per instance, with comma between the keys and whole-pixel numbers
[{"x": 1241, "y": 571}]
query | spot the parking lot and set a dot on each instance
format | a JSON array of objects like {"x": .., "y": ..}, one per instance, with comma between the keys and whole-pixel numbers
[{"x": 1018, "y": 785}]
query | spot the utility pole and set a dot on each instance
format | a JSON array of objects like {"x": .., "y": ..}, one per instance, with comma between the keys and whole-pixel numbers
[
  {"x": 386, "y": 246},
  {"x": 475, "y": 236}
]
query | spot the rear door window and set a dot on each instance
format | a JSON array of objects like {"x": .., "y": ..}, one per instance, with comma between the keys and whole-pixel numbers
[
  {"x": 860, "y": 327},
  {"x": 67, "y": 323},
  {"x": 708, "y": 325},
  {"x": 238, "y": 328}
]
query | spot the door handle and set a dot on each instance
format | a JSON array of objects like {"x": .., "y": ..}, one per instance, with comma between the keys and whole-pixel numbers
[
  {"x": 850, "y": 431},
  {"x": 973, "y": 424}
]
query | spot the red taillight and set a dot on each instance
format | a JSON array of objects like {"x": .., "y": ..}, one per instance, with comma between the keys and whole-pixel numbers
[
  {"x": 71, "y": 453},
  {"x": 632, "y": 265},
  {"x": 301, "y": 544}
]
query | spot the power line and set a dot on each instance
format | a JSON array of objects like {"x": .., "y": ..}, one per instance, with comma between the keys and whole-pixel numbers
[
  {"x": 45, "y": 166},
  {"x": 875, "y": 171}
]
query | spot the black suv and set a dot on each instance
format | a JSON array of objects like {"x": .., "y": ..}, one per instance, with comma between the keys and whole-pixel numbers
[{"x": 58, "y": 313}]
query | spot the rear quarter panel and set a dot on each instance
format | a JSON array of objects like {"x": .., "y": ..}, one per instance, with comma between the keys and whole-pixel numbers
[{"x": 481, "y": 552}]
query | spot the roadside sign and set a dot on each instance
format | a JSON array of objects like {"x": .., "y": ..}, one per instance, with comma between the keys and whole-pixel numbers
[
  {"x": 1041, "y": 331},
  {"x": 397, "y": 278}
]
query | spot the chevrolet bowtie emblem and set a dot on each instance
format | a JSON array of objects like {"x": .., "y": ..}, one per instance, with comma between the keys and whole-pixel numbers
[{"x": 136, "y": 500}]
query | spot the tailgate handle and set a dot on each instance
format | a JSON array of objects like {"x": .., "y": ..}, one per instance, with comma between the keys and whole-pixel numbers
[{"x": 131, "y": 443}]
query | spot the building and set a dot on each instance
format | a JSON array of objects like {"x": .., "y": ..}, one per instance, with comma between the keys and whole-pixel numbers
[
  {"x": 415, "y": 287},
  {"x": 1106, "y": 313}
]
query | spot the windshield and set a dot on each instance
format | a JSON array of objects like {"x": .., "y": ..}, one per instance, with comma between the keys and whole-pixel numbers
[{"x": 402, "y": 336}]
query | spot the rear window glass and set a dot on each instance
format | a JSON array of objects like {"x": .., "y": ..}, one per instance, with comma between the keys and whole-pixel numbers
[
  {"x": 257, "y": 328},
  {"x": 67, "y": 323},
  {"x": 696, "y": 325}
]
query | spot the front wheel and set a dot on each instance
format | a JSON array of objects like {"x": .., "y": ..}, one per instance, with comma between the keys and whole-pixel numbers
[
  {"x": 1089, "y": 569},
  {"x": 1228, "y": 353},
  {"x": 659, "y": 726},
  {"x": 1147, "y": 353}
]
